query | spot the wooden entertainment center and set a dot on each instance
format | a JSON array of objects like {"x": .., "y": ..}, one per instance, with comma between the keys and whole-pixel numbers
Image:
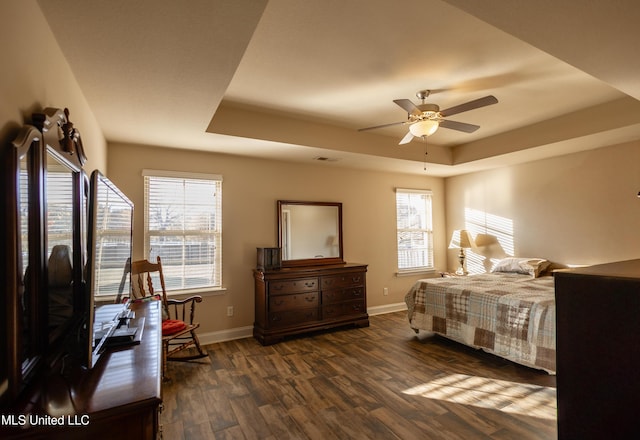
[
  {"x": 119, "y": 398},
  {"x": 49, "y": 385}
]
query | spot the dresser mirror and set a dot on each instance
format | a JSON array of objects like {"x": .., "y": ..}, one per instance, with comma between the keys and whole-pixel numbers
[
  {"x": 310, "y": 233},
  {"x": 42, "y": 262},
  {"x": 21, "y": 284},
  {"x": 60, "y": 195}
]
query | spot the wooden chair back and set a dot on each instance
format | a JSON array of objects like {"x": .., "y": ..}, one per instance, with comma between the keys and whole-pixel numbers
[{"x": 147, "y": 280}]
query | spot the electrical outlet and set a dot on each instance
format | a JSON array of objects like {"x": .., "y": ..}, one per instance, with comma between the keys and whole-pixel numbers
[
  {"x": 385, "y": 291},
  {"x": 230, "y": 311}
]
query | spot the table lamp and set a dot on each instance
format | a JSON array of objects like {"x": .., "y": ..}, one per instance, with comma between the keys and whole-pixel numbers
[{"x": 461, "y": 239}]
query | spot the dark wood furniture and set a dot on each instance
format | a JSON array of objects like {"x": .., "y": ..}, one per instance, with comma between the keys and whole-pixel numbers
[
  {"x": 48, "y": 388},
  {"x": 598, "y": 351},
  {"x": 295, "y": 300},
  {"x": 43, "y": 197},
  {"x": 118, "y": 399}
]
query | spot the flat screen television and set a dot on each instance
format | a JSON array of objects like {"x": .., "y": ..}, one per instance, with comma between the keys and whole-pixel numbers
[{"x": 110, "y": 233}]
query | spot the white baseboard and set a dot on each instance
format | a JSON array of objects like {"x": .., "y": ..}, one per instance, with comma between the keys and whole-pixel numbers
[
  {"x": 225, "y": 335},
  {"x": 247, "y": 332},
  {"x": 387, "y": 308}
]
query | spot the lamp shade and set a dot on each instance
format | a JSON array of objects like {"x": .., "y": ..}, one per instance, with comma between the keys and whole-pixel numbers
[
  {"x": 425, "y": 127},
  {"x": 461, "y": 238}
]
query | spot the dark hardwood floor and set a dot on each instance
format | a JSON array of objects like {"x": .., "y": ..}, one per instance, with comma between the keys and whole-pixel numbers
[{"x": 380, "y": 382}]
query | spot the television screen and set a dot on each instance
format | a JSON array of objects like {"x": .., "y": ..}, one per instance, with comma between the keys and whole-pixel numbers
[{"x": 109, "y": 257}]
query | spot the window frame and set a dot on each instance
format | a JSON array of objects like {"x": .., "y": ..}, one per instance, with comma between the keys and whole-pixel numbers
[
  {"x": 214, "y": 235},
  {"x": 427, "y": 230}
]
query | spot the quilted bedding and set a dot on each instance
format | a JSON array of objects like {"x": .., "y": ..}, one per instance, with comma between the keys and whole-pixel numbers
[{"x": 507, "y": 314}]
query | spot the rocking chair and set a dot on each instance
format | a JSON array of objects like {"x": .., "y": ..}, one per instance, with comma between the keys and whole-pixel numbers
[{"x": 178, "y": 332}]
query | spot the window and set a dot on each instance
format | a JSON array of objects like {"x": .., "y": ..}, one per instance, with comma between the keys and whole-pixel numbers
[
  {"x": 183, "y": 225},
  {"x": 414, "y": 229}
]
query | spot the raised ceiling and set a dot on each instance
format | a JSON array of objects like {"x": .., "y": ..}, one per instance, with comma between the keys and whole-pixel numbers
[{"x": 295, "y": 80}]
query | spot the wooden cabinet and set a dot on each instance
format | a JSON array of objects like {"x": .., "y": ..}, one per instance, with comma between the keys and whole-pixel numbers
[
  {"x": 118, "y": 399},
  {"x": 296, "y": 300},
  {"x": 598, "y": 351}
]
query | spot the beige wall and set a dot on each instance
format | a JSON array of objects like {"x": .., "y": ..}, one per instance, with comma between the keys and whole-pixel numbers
[
  {"x": 579, "y": 208},
  {"x": 250, "y": 190},
  {"x": 35, "y": 75}
]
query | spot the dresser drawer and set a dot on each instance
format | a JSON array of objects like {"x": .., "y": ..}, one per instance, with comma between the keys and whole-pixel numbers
[
  {"x": 292, "y": 317},
  {"x": 343, "y": 309},
  {"x": 294, "y": 301},
  {"x": 346, "y": 280},
  {"x": 348, "y": 294},
  {"x": 293, "y": 286}
]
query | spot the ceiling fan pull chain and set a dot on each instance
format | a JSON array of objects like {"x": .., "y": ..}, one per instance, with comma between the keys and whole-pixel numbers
[{"x": 425, "y": 152}]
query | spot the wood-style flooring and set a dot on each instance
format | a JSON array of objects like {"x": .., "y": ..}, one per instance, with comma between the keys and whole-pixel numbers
[{"x": 380, "y": 382}]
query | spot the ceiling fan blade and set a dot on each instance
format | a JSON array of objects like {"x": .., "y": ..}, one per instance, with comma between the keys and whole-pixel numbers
[
  {"x": 382, "y": 126},
  {"x": 477, "y": 103},
  {"x": 406, "y": 139},
  {"x": 460, "y": 126},
  {"x": 409, "y": 106}
]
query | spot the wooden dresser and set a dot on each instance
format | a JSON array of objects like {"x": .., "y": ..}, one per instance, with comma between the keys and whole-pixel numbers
[
  {"x": 118, "y": 399},
  {"x": 295, "y": 300},
  {"x": 598, "y": 351}
]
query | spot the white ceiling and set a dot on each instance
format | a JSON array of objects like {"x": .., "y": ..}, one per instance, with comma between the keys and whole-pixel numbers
[{"x": 294, "y": 80}]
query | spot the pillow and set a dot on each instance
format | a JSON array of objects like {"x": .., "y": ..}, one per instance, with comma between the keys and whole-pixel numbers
[
  {"x": 527, "y": 266},
  {"x": 172, "y": 326}
]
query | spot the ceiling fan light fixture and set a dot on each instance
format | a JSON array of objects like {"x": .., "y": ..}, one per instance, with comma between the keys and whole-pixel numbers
[{"x": 425, "y": 127}]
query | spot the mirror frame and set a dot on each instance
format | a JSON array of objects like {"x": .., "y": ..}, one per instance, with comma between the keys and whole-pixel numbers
[
  {"x": 24, "y": 347},
  {"x": 310, "y": 261},
  {"x": 62, "y": 143},
  {"x": 50, "y": 132}
]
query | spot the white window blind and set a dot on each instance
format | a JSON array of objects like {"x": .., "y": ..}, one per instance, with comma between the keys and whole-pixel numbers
[
  {"x": 183, "y": 225},
  {"x": 59, "y": 207},
  {"x": 112, "y": 229},
  {"x": 24, "y": 214},
  {"x": 414, "y": 229}
]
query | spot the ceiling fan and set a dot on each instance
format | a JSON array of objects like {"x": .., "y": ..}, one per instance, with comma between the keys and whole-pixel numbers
[{"x": 424, "y": 119}]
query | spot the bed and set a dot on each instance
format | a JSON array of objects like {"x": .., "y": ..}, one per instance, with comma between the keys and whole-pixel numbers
[{"x": 509, "y": 313}]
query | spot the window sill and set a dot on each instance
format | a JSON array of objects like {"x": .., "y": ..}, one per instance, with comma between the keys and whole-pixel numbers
[
  {"x": 414, "y": 272},
  {"x": 178, "y": 294},
  {"x": 203, "y": 291}
]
